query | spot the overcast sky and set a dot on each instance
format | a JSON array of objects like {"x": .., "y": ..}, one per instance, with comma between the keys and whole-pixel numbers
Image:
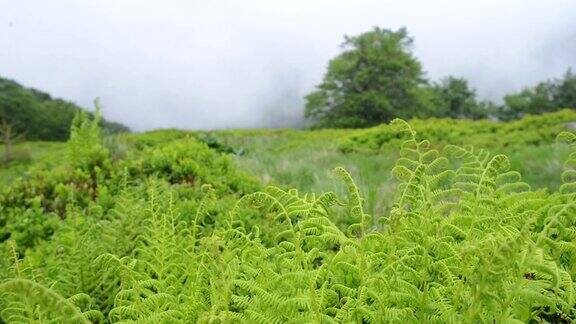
[{"x": 220, "y": 64}]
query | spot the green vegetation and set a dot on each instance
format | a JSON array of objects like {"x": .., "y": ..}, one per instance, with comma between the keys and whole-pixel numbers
[
  {"x": 8, "y": 137},
  {"x": 546, "y": 96},
  {"x": 39, "y": 117},
  {"x": 453, "y": 98},
  {"x": 356, "y": 90},
  {"x": 29, "y": 156},
  {"x": 165, "y": 227},
  {"x": 303, "y": 159},
  {"x": 528, "y": 131},
  {"x": 377, "y": 78}
]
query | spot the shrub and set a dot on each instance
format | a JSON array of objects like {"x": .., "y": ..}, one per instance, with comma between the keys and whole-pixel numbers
[{"x": 530, "y": 130}]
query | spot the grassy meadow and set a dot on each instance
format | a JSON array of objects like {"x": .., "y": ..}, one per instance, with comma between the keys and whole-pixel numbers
[
  {"x": 31, "y": 155},
  {"x": 303, "y": 159}
]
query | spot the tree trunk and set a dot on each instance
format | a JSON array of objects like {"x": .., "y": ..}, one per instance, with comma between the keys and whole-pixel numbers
[{"x": 7, "y": 150}]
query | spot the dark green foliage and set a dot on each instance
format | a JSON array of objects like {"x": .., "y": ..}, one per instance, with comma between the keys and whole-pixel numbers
[
  {"x": 376, "y": 78},
  {"x": 38, "y": 116},
  {"x": 453, "y": 98},
  {"x": 373, "y": 80},
  {"x": 546, "y": 96},
  {"x": 218, "y": 145}
]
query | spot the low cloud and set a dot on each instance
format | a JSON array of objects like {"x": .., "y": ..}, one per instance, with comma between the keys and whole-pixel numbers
[{"x": 225, "y": 64}]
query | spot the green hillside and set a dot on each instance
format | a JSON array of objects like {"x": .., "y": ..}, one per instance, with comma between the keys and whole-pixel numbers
[{"x": 38, "y": 116}]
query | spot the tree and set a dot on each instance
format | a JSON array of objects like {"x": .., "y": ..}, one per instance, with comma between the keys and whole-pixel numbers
[
  {"x": 565, "y": 96},
  {"x": 455, "y": 99},
  {"x": 375, "y": 79},
  {"x": 546, "y": 96},
  {"x": 8, "y": 137},
  {"x": 536, "y": 100}
]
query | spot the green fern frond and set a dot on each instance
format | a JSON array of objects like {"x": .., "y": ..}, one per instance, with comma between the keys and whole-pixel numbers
[{"x": 52, "y": 305}]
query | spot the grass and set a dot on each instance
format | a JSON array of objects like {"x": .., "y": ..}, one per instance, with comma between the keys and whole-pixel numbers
[
  {"x": 540, "y": 166},
  {"x": 303, "y": 160},
  {"x": 28, "y": 155}
]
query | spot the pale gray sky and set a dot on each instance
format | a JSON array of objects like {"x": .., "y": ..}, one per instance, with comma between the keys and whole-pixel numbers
[{"x": 215, "y": 64}]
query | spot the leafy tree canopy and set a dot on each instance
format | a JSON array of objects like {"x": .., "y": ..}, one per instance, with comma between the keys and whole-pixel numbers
[
  {"x": 455, "y": 99},
  {"x": 375, "y": 79},
  {"x": 546, "y": 96}
]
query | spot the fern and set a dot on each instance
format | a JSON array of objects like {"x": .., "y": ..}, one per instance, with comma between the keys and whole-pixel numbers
[
  {"x": 168, "y": 235},
  {"x": 36, "y": 302}
]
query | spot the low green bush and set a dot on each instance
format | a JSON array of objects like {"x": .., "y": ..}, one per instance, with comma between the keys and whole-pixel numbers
[{"x": 530, "y": 130}]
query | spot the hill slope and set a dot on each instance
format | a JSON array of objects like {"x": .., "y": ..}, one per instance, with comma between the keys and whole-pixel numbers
[{"x": 39, "y": 116}]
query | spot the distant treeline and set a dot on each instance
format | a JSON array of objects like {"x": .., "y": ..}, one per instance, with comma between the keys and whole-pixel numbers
[
  {"x": 376, "y": 78},
  {"x": 38, "y": 116}
]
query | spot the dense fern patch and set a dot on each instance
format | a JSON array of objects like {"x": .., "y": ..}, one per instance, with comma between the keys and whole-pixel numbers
[
  {"x": 528, "y": 131},
  {"x": 169, "y": 231}
]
